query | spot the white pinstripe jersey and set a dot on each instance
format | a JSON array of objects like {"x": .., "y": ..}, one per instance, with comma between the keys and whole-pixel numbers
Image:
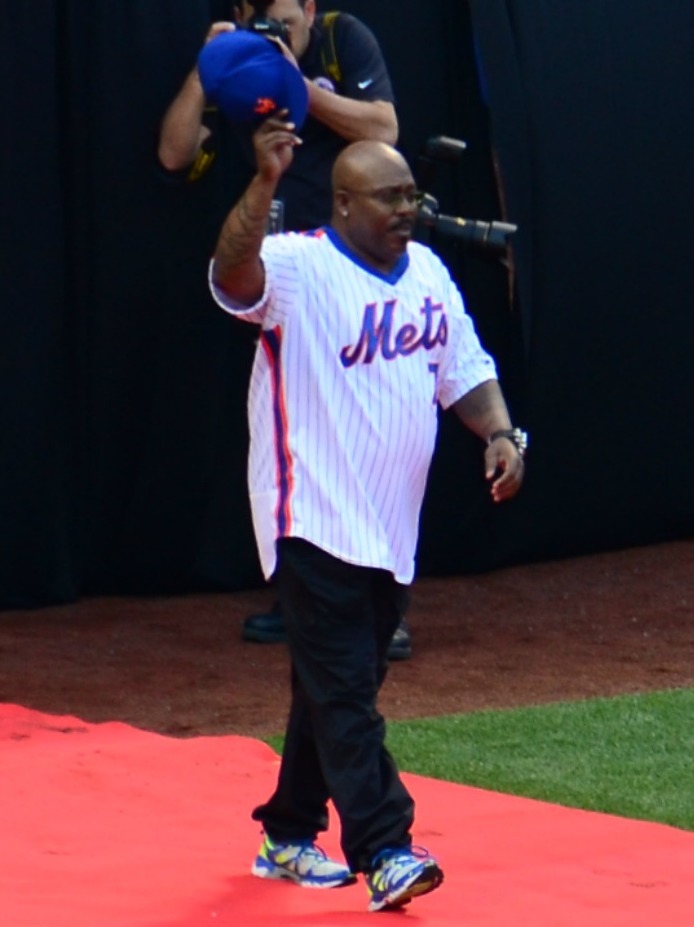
[{"x": 342, "y": 401}]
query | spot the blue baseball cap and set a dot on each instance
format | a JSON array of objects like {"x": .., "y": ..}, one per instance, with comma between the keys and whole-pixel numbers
[{"x": 248, "y": 78}]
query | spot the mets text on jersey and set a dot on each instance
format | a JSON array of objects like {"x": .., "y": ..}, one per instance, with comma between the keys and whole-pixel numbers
[{"x": 381, "y": 336}]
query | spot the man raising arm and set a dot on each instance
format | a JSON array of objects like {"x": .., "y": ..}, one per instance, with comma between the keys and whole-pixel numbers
[
  {"x": 360, "y": 328},
  {"x": 350, "y": 98}
]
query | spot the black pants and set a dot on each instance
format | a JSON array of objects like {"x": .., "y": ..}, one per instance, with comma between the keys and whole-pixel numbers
[{"x": 340, "y": 619}]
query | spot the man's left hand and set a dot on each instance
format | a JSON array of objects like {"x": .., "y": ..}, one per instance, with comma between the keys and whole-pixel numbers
[{"x": 503, "y": 461}]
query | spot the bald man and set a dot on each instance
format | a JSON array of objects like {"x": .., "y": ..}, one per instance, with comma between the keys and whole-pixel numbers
[
  {"x": 363, "y": 333},
  {"x": 350, "y": 97}
]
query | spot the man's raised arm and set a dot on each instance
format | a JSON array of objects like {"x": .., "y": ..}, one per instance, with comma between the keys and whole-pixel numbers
[{"x": 237, "y": 269}]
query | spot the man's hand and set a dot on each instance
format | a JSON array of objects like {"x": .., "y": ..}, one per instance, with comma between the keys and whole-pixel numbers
[
  {"x": 238, "y": 270},
  {"x": 182, "y": 133},
  {"x": 503, "y": 461},
  {"x": 483, "y": 410},
  {"x": 274, "y": 142}
]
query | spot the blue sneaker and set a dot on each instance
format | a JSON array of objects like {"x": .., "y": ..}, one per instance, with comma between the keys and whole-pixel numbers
[
  {"x": 399, "y": 875},
  {"x": 303, "y": 863}
]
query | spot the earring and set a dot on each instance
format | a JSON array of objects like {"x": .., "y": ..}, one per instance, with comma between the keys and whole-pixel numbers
[{"x": 345, "y": 213}]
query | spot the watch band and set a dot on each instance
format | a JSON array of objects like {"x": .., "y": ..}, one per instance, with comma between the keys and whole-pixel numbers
[{"x": 516, "y": 436}]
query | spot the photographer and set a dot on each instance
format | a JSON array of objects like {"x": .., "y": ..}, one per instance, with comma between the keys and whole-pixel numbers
[{"x": 350, "y": 98}]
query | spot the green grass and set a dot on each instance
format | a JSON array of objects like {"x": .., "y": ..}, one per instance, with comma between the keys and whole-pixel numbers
[{"x": 631, "y": 756}]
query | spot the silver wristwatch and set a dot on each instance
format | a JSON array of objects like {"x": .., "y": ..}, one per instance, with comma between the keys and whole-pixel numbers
[{"x": 515, "y": 435}]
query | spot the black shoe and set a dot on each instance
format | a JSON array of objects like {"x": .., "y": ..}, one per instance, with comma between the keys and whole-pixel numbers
[
  {"x": 266, "y": 627},
  {"x": 400, "y": 647}
]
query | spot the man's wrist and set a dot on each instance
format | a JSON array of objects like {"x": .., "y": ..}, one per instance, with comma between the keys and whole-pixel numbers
[{"x": 516, "y": 436}]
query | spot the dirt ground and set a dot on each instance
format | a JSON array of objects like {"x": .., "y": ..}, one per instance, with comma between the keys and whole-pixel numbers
[{"x": 604, "y": 624}]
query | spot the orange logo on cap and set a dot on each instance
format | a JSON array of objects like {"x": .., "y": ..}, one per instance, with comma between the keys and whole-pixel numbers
[{"x": 265, "y": 105}]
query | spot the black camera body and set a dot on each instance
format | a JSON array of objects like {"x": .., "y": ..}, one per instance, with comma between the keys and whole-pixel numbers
[
  {"x": 263, "y": 24},
  {"x": 270, "y": 28}
]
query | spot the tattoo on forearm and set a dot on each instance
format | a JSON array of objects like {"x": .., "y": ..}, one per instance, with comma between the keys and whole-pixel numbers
[
  {"x": 246, "y": 216},
  {"x": 483, "y": 408},
  {"x": 241, "y": 235}
]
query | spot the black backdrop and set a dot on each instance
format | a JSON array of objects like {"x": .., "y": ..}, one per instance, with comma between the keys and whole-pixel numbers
[{"x": 123, "y": 388}]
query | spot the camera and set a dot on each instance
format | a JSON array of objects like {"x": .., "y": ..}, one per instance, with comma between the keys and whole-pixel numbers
[
  {"x": 265, "y": 25},
  {"x": 484, "y": 239}
]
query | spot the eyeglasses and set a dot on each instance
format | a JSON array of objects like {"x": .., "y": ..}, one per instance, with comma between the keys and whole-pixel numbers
[{"x": 391, "y": 197}]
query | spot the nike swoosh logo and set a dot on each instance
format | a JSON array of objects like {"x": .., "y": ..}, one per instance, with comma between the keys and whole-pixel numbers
[{"x": 363, "y": 84}]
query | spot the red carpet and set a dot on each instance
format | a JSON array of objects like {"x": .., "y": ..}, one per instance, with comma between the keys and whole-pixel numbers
[{"x": 108, "y": 826}]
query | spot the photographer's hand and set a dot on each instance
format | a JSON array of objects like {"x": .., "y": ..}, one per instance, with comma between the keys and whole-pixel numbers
[
  {"x": 217, "y": 28},
  {"x": 285, "y": 49},
  {"x": 182, "y": 131}
]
